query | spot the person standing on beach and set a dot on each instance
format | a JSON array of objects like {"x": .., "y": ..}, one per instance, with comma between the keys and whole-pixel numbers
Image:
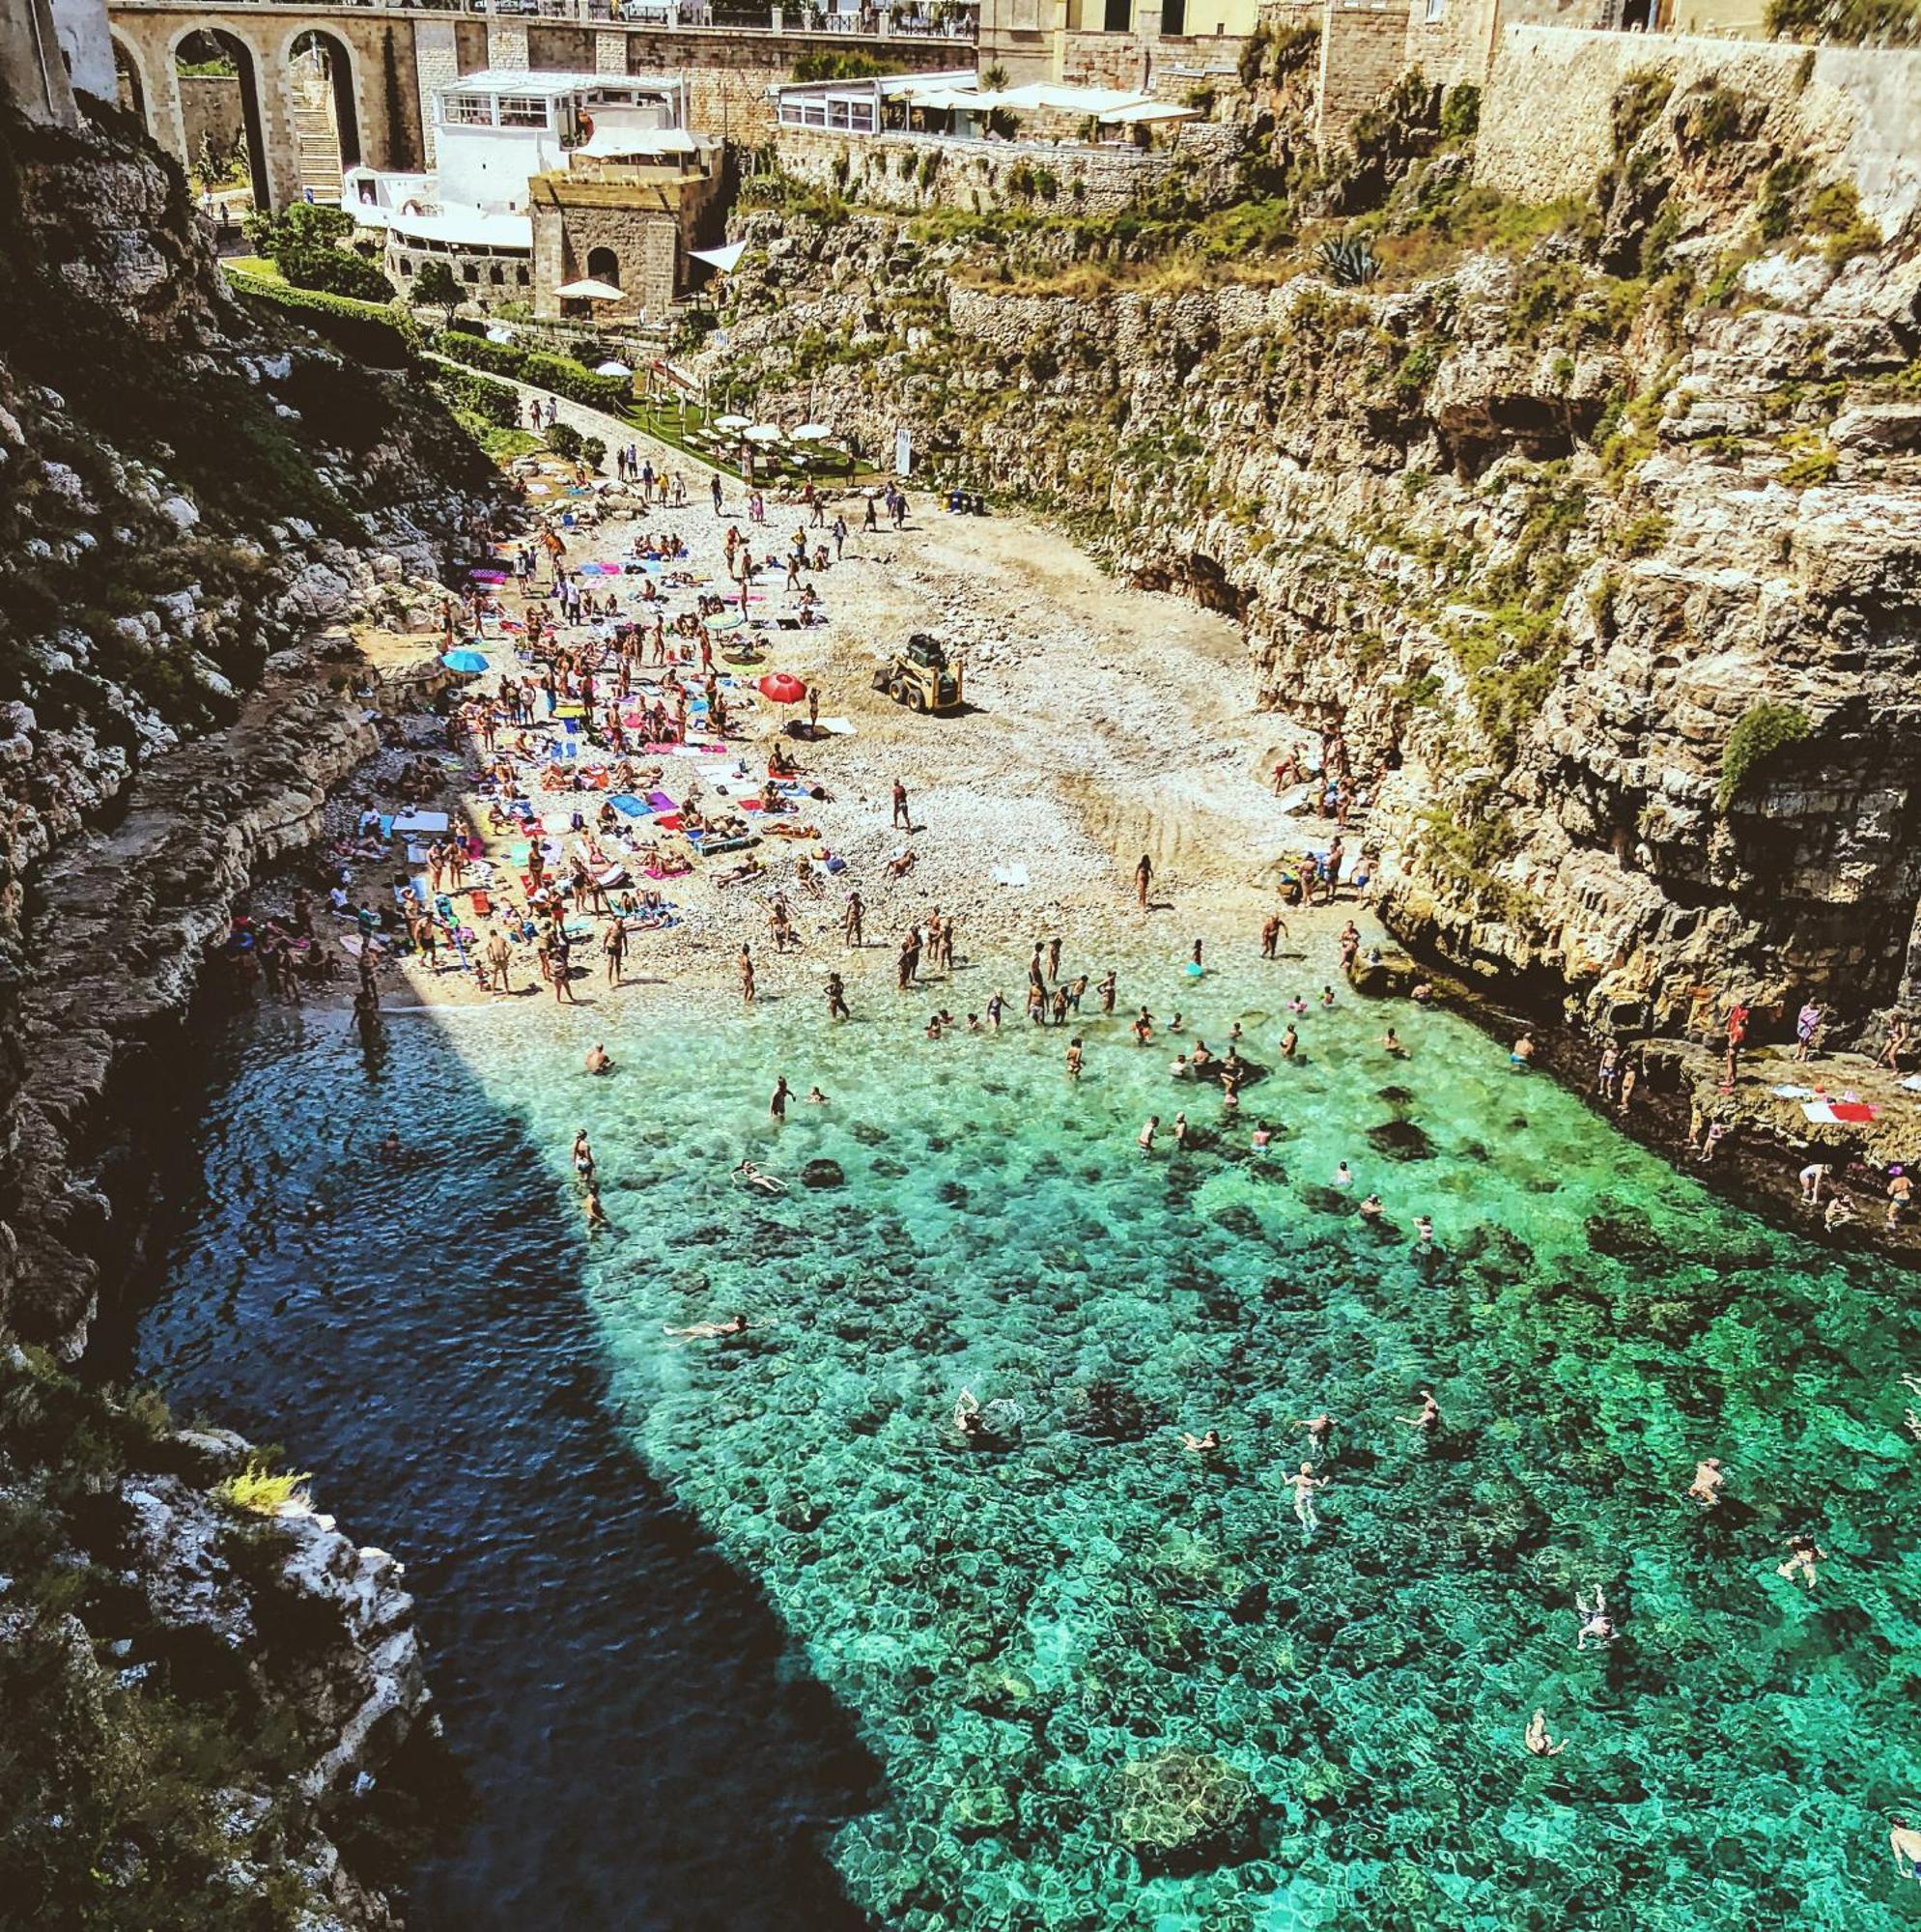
[
  {"x": 1270, "y": 935},
  {"x": 1630, "y": 1075},
  {"x": 1143, "y": 877},
  {"x": 745, "y": 965},
  {"x": 902, "y": 817},
  {"x": 1054, "y": 960},
  {"x": 616, "y": 951},
  {"x": 850, "y": 922},
  {"x": 714, "y": 484},
  {"x": 837, "y": 998},
  {"x": 499, "y": 956}
]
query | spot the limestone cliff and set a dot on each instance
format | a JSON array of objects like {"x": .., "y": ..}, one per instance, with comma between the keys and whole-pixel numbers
[
  {"x": 1593, "y": 525},
  {"x": 199, "y": 1685}
]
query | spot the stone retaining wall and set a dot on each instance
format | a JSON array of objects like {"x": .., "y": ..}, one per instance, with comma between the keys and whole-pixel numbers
[
  {"x": 911, "y": 172},
  {"x": 1546, "y": 123}
]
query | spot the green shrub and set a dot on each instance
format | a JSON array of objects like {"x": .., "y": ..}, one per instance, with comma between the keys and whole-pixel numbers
[
  {"x": 1814, "y": 462},
  {"x": 1461, "y": 112},
  {"x": 1637, "y": 101},
  {"x": 571, "y": 380},
  {"x": 491, "y": 402},
  {"x": 368, "y": 331},
  {"x": 564, "y": 440},
  {"x": 1645, "y": 535},
  {"x": 1761, "y": 732},
  {"x": 593, "y": 451},
  {"x": 308, "y": 242},
  {"x": 1888, "y": 23},
  {"x": 257, "y": 1490},
  {"x": 1712, "y": 118}
]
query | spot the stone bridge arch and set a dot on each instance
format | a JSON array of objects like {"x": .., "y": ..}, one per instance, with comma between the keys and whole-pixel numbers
[
  {"x": 344, "y": 83},
  {"x": 258, "y": 120},
  {"x": 137, "y": 89}
]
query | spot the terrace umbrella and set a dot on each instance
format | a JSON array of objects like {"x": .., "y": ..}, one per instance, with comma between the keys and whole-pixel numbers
[
  {"x": 469, "y": 662},
  {"x": 733, "y": 422},
  {"x": 812, "y": 433},
  {"x": 611, "y": 368},
  {"x": 781, "y": 687},
  {"x": 763, "y": 433}
]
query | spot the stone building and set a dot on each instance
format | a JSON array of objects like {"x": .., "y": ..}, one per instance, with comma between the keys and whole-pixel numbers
[{"x": 625, "y": 217}]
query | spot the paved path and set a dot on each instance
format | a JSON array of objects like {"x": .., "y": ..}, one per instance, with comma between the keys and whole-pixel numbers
[{"x": 611, "y": 430}]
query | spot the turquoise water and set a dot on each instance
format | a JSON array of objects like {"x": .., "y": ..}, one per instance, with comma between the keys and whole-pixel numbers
[{"x": 747, "y": 1622}]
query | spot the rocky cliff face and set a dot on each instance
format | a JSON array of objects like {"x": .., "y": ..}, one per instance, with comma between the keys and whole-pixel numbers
[
  {"x": 194, "y": 506},
  {"x": 1596, "y": 529}
]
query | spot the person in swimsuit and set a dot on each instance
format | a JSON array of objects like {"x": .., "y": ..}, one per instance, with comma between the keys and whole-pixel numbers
[
  {"x": 1706, "y": 1487},
  {"x": 1803, "y": 1553},
  {"x": 1596, "y": 1623},
  {"x": 1304, "y": 1483},
  {"x": 1537, "y": 1741},
  {"x": 707, "y": 1331}
]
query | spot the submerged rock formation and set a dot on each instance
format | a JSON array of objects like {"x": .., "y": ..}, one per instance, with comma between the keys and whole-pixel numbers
[
  {"x": 193, "y": 504},
  {"x": 1598, "y": 537}
]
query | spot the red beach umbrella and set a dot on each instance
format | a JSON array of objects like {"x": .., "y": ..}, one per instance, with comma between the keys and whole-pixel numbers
[{"x": 783, "y": 687}]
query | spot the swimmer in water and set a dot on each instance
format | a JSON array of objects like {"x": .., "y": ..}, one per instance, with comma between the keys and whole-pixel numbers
[
  {"x": 1803, "y": 1553},
  {"x": 599, "y": 1060},
  {"x": 1297, "y": 1005},
  {"x": 1706, "y": 1487},
  {"x": 1145, "y": 1139},
  {"x": 1343, "y": 1175},
  {"x": 1259, "y": 1141},
  {"x": 1423, "y": 1233},
  {"x": 1304, "y": 1483},
  {"x": 1373, "y": 1208},
  {"x": 1074, "y": 1057},
  {"x": 1536, "y": 1739},
  {"x": 815, "y": 1098},
  {"x": 1327, "y": 996},
  {"x": 391, "y": 1146},
  {"x": 708, "y": 1331},
  {"x": 1392, "y": 1041},
  {"x": 596, "y": 1214},
  {"x": 1200, "y": 1445},
  {"x": 1180, "y": 1130},
  {"x": 1596, "y": 1623},
  {"x": 1290, "y": 1041},
  {"x": 1522, "y": 1056},
  {"x": 750, "y": 1175},
  {"x": 1178, "y": 1021},
  {"x": 1144, "y": 1028},
  {"x": 584, "y": 1156},
  {"x": 1426, "y": 1420},
  {"x": 1320, "y": 1428}
]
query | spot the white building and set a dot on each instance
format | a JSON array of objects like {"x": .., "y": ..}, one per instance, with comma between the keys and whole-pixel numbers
[{"x": 494, "y": 131}]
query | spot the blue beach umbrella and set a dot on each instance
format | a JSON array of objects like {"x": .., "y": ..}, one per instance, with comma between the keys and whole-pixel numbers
[{"x": 472, "y": 663}]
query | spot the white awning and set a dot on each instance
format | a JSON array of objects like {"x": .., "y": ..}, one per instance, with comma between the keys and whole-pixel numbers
[
  {"x": 726, "y": 259},
  {"x": 585, "y": 291},
  {"x": 1147, "y": 110},
  {"x": 467, "y": 228},
  {"x": 609, "y": 144}
]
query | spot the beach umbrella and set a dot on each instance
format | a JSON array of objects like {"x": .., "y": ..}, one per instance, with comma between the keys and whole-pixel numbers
[
  {"x": 812, "y": 433},
  {"x": 731, "y": 620},
  {"x": 499, "y": 333},
  {"x": 611, "y": 368},
  {"x": 471, "y": 663},
  {"x": 732, "y": 422},
  {"x": 781, "y": 687},
  {"x": 763, "y": 433}
]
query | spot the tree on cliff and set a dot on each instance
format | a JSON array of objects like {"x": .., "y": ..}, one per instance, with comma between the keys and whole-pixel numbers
[
  {"x": 304, "y": 243},
  {"x": 438, "y": 286}
]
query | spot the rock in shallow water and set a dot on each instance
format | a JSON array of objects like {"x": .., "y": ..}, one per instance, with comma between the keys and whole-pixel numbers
[{"x": 821, "y": 1174}]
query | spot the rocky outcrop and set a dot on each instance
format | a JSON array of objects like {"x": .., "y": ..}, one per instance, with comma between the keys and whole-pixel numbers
[
  {"x": 1598, "y": 546},
  {"x": 193, "y": 507}
]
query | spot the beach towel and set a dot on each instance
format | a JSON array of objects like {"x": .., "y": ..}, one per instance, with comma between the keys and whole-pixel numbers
[
  {"x": 661, "y": 801},
  {"x": 1841, "y": 1113},
  {"x": 838, "y": 727},
  {"x": 1791, "y": 1092},
  {"x": 625, "y": 803},
  {"x": 411, "y": 822},
  {"x": 1010, "y": 875}
]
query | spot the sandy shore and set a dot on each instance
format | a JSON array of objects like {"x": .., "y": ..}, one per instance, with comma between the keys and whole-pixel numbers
[{"x": 1101, "y": 723}]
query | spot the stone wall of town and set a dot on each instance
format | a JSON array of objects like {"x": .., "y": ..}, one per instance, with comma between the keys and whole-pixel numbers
[
  {"x": 210, "y": 107},
  {"x": 911, "y": 172},
  {"x": 1363, "y": 53},
  {"x": 1546, "y": 123},
  {"x": 1455, "y": 40}
]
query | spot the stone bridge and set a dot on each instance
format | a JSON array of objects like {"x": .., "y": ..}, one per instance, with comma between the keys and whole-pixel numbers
[{"x": 384, "y": 62}]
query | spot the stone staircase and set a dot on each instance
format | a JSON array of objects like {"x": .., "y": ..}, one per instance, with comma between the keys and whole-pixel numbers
[{"x": 315, "y": 144}]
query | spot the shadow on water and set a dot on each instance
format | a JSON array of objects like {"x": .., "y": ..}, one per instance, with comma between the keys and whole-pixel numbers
[{"x": 641, "y": 1746}]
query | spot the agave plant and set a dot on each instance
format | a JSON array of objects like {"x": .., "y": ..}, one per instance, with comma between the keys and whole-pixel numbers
[{"x": 1349, "y": 260}]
